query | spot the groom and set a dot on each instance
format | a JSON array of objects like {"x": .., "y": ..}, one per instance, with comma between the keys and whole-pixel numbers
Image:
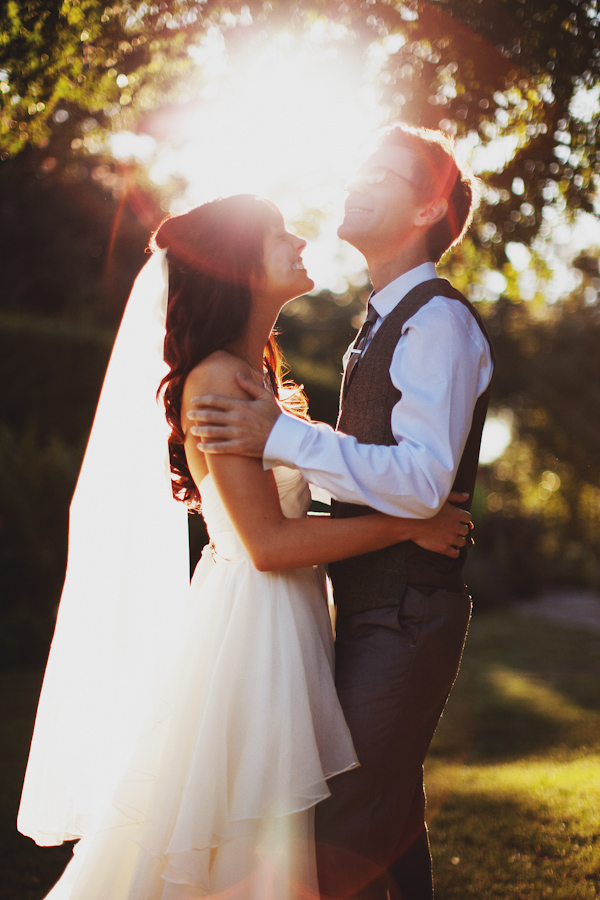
[{"x": 413, "y": 404}]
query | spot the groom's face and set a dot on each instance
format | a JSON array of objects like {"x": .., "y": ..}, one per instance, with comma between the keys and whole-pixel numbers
[{"x": 382, "y": 203}]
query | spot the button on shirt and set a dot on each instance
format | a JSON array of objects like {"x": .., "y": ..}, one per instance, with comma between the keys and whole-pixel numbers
[{"x": 441, "y": 364}]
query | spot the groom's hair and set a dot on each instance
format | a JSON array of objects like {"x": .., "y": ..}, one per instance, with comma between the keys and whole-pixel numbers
[{"x": 437, "y": 173}]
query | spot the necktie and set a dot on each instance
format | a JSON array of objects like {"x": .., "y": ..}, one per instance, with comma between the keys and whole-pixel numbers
[{"x": 359, "y": 346}]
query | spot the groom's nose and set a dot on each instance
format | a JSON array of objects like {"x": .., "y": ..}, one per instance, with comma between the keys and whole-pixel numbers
[{"x": 356, "y": 184}]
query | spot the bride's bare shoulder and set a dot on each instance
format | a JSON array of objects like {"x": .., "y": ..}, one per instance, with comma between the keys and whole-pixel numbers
[{"x": 216, "y": 375}]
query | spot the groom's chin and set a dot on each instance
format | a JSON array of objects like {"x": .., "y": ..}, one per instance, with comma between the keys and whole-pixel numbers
[
  {"x": 349, "y": 234},
  {"x": 345, "y": 231}
]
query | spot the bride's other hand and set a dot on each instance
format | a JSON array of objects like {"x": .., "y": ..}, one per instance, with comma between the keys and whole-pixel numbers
[
  {"x": 229, "y": 425},
  {"x": 447, "y": 532}
]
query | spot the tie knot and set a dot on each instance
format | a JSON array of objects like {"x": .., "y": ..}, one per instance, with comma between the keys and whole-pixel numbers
[
  {"x": 359, "y": 345},
  {"x": 372, "y": 314}
]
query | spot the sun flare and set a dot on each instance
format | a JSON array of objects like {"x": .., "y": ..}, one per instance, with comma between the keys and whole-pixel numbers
[{"x": 286, "y": 119}]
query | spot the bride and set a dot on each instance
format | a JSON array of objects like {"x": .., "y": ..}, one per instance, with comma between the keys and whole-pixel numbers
[{"x": 186, "y": 733}]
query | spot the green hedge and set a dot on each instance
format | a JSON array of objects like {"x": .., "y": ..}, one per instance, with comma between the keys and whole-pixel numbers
[{"x": 52, "y": 374}]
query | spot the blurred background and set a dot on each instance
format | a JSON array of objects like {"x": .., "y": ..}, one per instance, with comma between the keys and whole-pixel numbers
[{"x": 115, "y": 114}]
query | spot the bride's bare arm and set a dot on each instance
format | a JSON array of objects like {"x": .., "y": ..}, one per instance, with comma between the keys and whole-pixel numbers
[{"x": 250, "y": 497}]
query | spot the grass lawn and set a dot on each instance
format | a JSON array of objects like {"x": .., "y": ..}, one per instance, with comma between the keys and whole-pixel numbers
[{"x": 513, "y": 775}]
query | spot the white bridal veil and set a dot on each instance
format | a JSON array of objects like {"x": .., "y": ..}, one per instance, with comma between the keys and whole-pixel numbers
[{"x": 127, "y": 573}]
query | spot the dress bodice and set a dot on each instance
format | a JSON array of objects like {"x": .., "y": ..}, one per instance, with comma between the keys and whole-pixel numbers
[{"x": 294, "y": 496}]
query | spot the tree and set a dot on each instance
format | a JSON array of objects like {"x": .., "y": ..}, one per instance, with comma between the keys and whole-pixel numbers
[
  {"x": 82, "y": 57},
  {"x": 515, "y": 70},
  {"x": 496, "y": 68}
]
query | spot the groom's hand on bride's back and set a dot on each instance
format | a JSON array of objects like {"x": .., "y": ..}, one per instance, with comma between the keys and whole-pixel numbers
[{"x": 228, "y": 425}]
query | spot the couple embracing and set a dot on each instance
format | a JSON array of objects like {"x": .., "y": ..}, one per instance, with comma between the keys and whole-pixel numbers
[{"x": 258, "y": 765}]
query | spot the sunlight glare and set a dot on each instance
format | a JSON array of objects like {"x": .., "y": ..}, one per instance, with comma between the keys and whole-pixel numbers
[
  {"x": 128, "y": 145},
  {"x": 290, "y": 122},
  {"x": 492, "y": 156},
  {"x": 518, "y": 255},
  {"x": 497, "y": 435},
  {"x": 585, "y": 104}
]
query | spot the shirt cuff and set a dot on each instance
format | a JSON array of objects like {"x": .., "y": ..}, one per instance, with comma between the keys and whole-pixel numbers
[{"x": 284, "y": 441}]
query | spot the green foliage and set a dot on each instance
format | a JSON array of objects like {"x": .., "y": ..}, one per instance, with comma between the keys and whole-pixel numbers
[
  {"x": 36, "y": 482},
  {"x": 494, "y": 68},
  {"x": 548, "y": 375},
  {"x": 55, "y": 373},
  {"x": 84, "y": 55},
  {"x": 69, "y": 248},
  {"x": 507, "y": 68}
]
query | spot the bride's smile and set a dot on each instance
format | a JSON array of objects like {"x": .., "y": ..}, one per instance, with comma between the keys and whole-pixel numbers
[{"x": 285, "y": 275}]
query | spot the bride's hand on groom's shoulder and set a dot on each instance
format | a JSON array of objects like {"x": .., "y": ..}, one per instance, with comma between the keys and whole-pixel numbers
[
  {"x": 229, "y": 425},
  {"x": 448, "y": 531}
]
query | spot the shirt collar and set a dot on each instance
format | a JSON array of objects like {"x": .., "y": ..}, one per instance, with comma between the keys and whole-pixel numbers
[{"x": 390, "y": 296}]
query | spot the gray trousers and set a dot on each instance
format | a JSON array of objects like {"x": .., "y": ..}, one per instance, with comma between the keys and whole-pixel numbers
[{"x": 395, "y": 668}]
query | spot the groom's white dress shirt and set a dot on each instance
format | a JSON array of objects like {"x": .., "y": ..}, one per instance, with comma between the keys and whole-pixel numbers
[{"x": 441, "y": 365}]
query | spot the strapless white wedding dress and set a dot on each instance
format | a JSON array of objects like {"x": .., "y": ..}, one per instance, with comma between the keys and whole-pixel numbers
[{"x": 218, "y": 798}]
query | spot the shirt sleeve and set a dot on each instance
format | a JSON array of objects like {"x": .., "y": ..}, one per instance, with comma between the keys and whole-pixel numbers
[{"x": 441, "y": 365}]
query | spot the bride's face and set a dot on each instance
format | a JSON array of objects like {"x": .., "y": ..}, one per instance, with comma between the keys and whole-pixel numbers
[{"x": 284, "y": 274}]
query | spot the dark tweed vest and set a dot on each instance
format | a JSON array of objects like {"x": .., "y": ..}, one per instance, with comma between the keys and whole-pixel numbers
[{"x": 380, "y": 578}]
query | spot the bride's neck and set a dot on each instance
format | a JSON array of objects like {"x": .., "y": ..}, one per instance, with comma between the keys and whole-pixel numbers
[
  {"x": 250, "y": 350},
  {"x": 251, "y": 346}
]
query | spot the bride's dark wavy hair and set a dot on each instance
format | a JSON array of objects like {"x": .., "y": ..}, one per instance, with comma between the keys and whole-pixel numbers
[{"x": 213, "y": 252}]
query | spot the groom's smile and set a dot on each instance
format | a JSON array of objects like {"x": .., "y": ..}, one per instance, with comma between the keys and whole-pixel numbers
[{"x": 350, "y": 209}]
